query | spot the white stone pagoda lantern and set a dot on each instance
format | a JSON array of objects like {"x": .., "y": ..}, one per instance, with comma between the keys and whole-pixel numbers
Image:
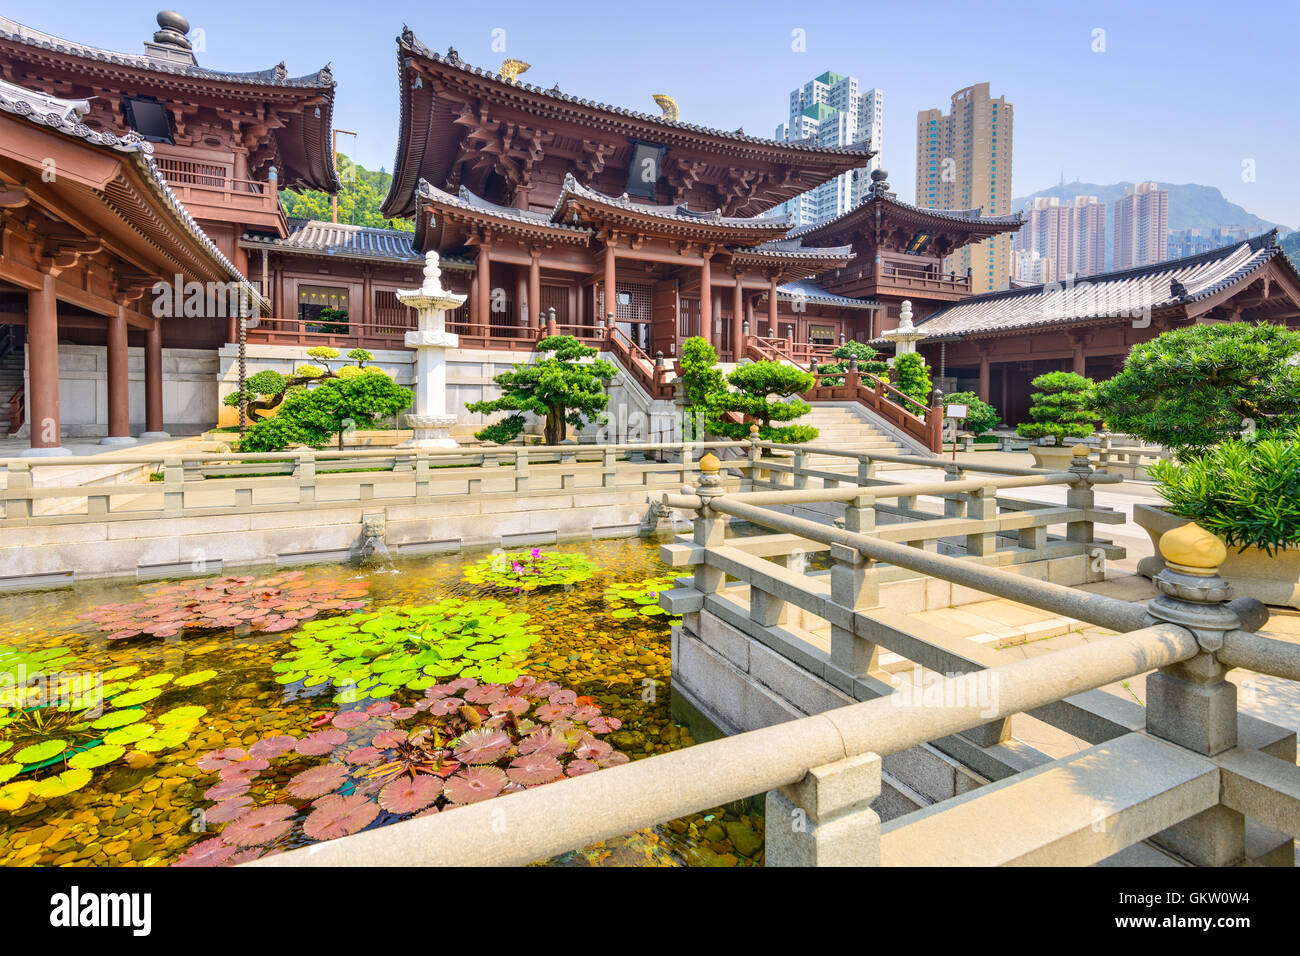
[
  {"x": 906, "y": 335},
  {"x": 430, "y": 421}
]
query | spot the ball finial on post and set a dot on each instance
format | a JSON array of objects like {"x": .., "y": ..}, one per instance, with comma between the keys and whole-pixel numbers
[
  {"x": 1193, "y": 550},
  {"x": 710, "y": 464}
]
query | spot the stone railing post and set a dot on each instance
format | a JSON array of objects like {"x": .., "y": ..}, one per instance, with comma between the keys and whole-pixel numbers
[
  {"x": 954, "y": 507},
  {"x": 609, "y": 468},
  {"x": 710, "y": 527},
  {"x": 799, "y": 479},
  {"x": 1103, "y": 458},
  {"x": 305, "y": 473},
  {"x": 521, "y": 471},
  {"x": 1191, "y": 703},
  {"x": 826, "y": 818},
  {"x": 421, "y": 476},
  {"x": 854, "y": 587},
  {"x": 750, "y": 472},
  {"x": 866, "y": 471},
  {"x": 174, "y": 487},
  {"x": 18, "y": 492},
  {"x": 688, "y": 460},
  {"x": 1080, "y": 495},
  {"x": 982, "y": 505}
]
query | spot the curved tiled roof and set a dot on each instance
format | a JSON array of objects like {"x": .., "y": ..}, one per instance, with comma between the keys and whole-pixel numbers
[
  {"x": 467, "y": 200},
  {"x": 1128, "y": 293},
  {"x": 409, "y": 42},
  {"x": 275, "y": 76},
  {"x": 810, "y": 292},
  {"x": 341, "y": 239},
  {"x": 961, "y": 216},
  {"x": 792, "y": 248},
  {"x": 572, "y": 189},
  {"x": 64, "y": 117}
]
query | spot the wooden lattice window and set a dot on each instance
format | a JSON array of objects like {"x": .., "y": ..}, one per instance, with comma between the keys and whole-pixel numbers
[
  {"x": 556, "y": 297},
  {"x": 634, "y": 302}
]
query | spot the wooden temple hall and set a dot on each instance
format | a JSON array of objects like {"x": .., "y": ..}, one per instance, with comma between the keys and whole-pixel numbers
[{"x": 129, "y": 180}]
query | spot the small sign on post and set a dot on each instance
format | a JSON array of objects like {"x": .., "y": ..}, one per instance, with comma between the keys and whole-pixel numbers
[{"x": 956, "y": 414}]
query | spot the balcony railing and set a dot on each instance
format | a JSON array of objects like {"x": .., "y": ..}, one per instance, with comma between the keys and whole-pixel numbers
[{"x": 200, "y": 185}]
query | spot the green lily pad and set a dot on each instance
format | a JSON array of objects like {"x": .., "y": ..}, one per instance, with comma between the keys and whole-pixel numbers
[
  {"x": 118, "y": 718},
  {"x": 96, "y": 756},
  {"x": 197, "y": 677},
  {"x": 64, "y": 783},
  {"x": 131, "y": 698},
  {"x": 125, "y": 736},
  {"x": 43, "y": 751},
  {"x": 182, "y": 714}
]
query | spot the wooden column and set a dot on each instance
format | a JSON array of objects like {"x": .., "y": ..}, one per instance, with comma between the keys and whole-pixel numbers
[
  {"x": 535, "y": 285},
  {"x": 119, "y": 408},
  {"x": 1080, "y": 362},
  {"x": 984, "y": 375},
  {"x": 706, "y": 298},
  {"x": 772, "y": 327},
  {"x": 737, "y": 320},
  {"x": 483, "y": 303},
  {"x": 43, "y": 369},
  {"x": 611, "y": 281},
  {"x": 153, "y": 399}
]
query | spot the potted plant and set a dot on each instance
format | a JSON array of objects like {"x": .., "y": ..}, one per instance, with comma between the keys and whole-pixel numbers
[
  {"x": 1246, "y": 492},
  {"x": 1064, "y": 406}
]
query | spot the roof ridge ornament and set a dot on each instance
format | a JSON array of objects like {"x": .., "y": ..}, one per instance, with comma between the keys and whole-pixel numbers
[
  {"x": 671, "y": 114},
  {"x": 511, "y": 68},
  {"x": 281, "y": 71}
]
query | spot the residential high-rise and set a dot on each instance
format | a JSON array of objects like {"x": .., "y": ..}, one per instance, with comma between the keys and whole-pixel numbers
[
  {"x": 1071, "y": 235},
  {"x": 1141, "y": 226},
  {"x": 963, "y": 161},
  {"x": 830, "y": 111},
  {"x": 1192, "y": 242}
]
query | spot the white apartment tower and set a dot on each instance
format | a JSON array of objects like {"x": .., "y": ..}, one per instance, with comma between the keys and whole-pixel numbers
[{"x": 830, "y": 111}]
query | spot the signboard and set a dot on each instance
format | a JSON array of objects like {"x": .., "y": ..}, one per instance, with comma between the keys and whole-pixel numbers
[
  {"x": 918, "y": 244},
  {"x": 956, "y": 411},
  {"x": 644, "y": 170}
]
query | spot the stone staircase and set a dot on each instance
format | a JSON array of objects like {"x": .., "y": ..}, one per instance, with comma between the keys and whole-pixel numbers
[{"x": 851, "y": 428}]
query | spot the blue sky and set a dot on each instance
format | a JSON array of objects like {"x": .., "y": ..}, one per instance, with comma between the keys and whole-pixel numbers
[{"x": 1183, "y": 92}]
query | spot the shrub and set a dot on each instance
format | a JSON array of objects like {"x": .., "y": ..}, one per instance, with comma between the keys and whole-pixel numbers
[
  {"x": 867, "y": 361},
  {"x": 912, "y": 377},
  {"x": 981, "y": 416},
  {"x": 1247, "y": 492},
  {"x": 702, "y": 384},
  {"x": 1063, "y": 407},
  {"x": 754, "y": 384},
  {"x": 311, "y": 416},
  {"x": 1191, "y": 388}
]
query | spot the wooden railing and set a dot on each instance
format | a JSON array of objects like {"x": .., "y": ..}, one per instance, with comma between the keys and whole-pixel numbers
[
  {"x": 916, "y": 420},
  {"x": 916, "y": 278},
  {"x": 17, "y": 409},
  {"x": 339, "y": 333},
  {"x": 654, "y": 378}
]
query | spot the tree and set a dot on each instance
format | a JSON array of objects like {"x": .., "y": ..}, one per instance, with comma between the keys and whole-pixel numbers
[
  {"x": 267, "y": 389},
  {"x": 754, "y": 384},
  {"x": 702, "y": 386},
  {"x": 1191, "y": 388},
  {"x": 912, "y": 377},
  {"x": 1063, "y": 407},
  {"x": 359, "y": 199},
  {"x": 310, "y": 416},
  {"x": 565, "y": 386},
  {"x": 867, "y": 362},
  {"x": 980, "y": 415}
]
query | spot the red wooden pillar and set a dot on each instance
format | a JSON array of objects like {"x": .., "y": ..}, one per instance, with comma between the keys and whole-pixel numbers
[
  {"x": 706, "y": 298},
  {"x": 1080, "y": 362},
  {"x": 737, "y": 320},
  {"x": 535, "y": 285},
  {"x": 772, "y": 327},
  {"x": 483, "y": 303},
  {"x": 43, "y": 369},
  {"x": 984, "y": 376},
  {"x": 611, "y": 281},
  {"x": 119, "y": 407},
  {"x": 153, "y": 399}
]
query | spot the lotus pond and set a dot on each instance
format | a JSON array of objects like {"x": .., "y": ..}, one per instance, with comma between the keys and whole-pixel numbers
[{"x": 213, "y": 720}]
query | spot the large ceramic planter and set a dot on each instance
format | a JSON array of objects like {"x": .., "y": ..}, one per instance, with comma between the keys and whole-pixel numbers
[
  {"x": 1252, "y": 573},
  {"x": 1052, "y": 457}
]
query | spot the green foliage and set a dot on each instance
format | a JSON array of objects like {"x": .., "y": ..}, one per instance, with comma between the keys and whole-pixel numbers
[
  {"x": 754, "y": 384},
  {"x": 912, "y": 378},
  {"x": 640, "y": 599},
  {"x": 361, "y": 356},
  {"x": 359, "y": 200},
  {"x": 702, "y": 386},
  {"x": 372, "y": 655},
  {"x": 332, "y": 321},
  {"x": 267, "y": 382},
  {"x": 982, "y": 416},
  {"x": 311, "y": 416},
  {"x": 1063, "y": 407},
  {"x": 1247, "y": 492},
  {"x": 566, "y": 386},
  {"x": 1190, "y": 388},
  {"x": 867, "y": 361},
  {"x": 530, "y": 570}
]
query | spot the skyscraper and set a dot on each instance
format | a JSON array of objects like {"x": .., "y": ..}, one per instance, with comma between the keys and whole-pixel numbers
[
  {"x": 830, "y": 111},
  {"x": 1141, "y": 226},
  {"x": 963, "y": 161},
  {"x": 1071, "y": 235}
]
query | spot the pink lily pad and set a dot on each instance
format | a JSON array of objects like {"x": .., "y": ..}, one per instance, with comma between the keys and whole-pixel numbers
[
  {"x": 407, "y": 795},
  {"x": 545, "y": 742},
  {"x": 211, "y": 852},
  {"x": 227, "y": 789},
  {"x": 533, "y": 769},
  {"x": 485, "y": 693},
  {"x": 576, "y": 768},
  {"x": 272, "y": 747},
  {"x": 362, "y": 755},
  {"x": 259, "y": 826},
  {"x": 482, "y": 746},
  {"x": 317, "y": 781},
  {"x": 347, "y": 719},
  {"x": 603, "y": 725},
  {"x": 243, "y": 769},
  {"x": 337, "y": 816},
  {"x": 513, "y": 705},
  {"x": 321, "y": 742},
  {"x": 227, "y": 810},
  {"x": 474, "y": 784}
]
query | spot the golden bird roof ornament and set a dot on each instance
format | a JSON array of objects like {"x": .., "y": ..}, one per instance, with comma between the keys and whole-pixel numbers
[
  {"x": 669, "y": 106},
  {"x": 510, "y": 69}
]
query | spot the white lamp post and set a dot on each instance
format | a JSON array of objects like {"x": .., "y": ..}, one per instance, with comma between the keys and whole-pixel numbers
[
  {"x": 430, "y": 421},
  {"x": 906, "y": 335}
]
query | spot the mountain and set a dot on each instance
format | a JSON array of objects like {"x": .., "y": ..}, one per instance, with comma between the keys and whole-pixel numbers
[
  {"x": 1190, "y": 207},
  {"x": 359, "y": 200}
]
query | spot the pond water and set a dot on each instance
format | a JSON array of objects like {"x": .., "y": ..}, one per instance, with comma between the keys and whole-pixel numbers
[{"x": 187, "y": 743}]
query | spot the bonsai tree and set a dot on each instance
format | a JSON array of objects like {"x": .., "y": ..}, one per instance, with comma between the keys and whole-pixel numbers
[
  {"x": 1063, "y": 407},
  {"x": 1191, "y": 388},
  {"x": 1246, "y": 492},
  {"x": 754, "y": 386},
  {"x": 980, "y": 417},
  {"x": 566, "y": 386},
  {"x": 311, "y": 416},
  {"x": 268, "y": 388},
  {"x": 867, "y": 361},
  {"x": 702, "y": 385},
  {"x": 912, "y": 377}
]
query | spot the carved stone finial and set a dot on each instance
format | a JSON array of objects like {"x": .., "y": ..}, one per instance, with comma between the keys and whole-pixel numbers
[
  {"x": 709, "y": 464},
  {"x": 172, "y": 28},
  {"x": 669, "y": 105},
  {"x": 1193, "y": 550},
  {"x": 281, "y": 71},
  {"x": 432, "y": 271}
]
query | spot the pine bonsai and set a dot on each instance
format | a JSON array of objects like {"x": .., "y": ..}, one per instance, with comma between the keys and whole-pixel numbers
[
  {"x": 1063, "y": 407},
  {"x": 565, "y": 386},
  {"x": 702, "y": 385},
  {"x": 754, "y": 385},
  {"x": 1191, "y": 388}
]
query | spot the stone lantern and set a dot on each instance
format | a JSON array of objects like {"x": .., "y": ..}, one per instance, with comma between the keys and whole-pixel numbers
[
  {"x": 430, "y": 421},
  {"x": 906, "y": 335}
]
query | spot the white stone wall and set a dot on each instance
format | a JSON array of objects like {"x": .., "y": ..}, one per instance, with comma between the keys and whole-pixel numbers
[{"x": 189, "y": 390}]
